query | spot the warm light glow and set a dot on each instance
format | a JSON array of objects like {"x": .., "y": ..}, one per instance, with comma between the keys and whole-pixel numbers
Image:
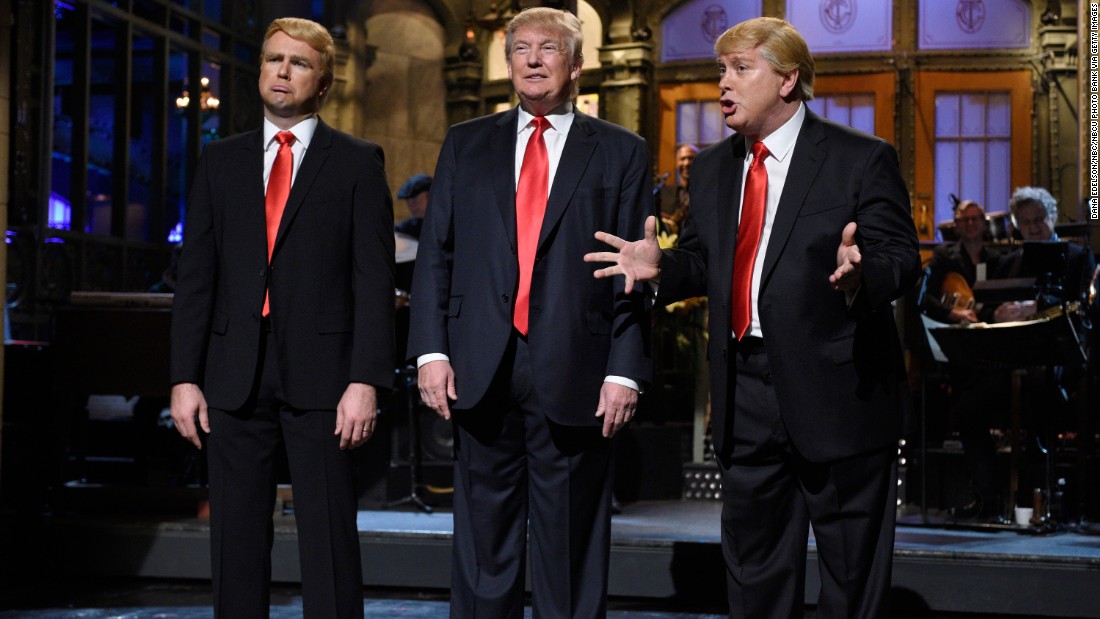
[{"x": 207, "y": 100}]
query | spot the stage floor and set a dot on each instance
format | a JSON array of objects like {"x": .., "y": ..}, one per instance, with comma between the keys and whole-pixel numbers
[{"x": 661, "y": 551}]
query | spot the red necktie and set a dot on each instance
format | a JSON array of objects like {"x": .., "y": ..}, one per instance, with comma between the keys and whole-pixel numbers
[
  {"x": 278, "y": 188},
  {"x": 531, "y": 195},
  {"x": 748, "y": 239}
]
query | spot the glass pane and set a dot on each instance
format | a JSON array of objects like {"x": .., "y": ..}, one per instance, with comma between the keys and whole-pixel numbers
[
  {"x": 212, "y": 9},
  {"x": 150, "y": 10},
  {"x": 947, "y": 180},
  {"x": 211, "y": 39},
  {"x": 187, "y": 4},
  {"x": 999, "y": 116},
  {"x": 101, "y": 127},
  {"x": 997, "y": 179},
  {"x": 142, "y": 139},
  {"x": 711, "y": 124},
  {"x": 972, "y": 171},
  {"x": 64, "y": 102},
  {"x": 177, "y": 158},
  {"x": 863, "y": 113},
  {"x": 973, "y": 114},
  {"x": 246, "y": 53},
  {"x": 947, "y": 115},
  {"x": 687, "y": 122},
  {"x": 179, "y": 23}
]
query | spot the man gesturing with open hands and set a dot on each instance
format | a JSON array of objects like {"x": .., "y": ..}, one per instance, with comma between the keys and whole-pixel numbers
[{"x": 801, "y": 236}]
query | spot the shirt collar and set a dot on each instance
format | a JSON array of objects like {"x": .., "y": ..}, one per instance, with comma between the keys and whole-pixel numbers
[
  {"x": 781, "y": 142},
  {"x": 560, "y": 119},
  {"x": 303, "y": 131}
]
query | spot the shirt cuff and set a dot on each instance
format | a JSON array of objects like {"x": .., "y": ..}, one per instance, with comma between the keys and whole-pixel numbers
[
  {"x": 625, "y": 382},
  {"x": 428, "y": 358}
]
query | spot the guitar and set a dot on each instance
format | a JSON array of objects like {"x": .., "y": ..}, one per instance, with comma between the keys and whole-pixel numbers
[{"x": 955, "y": 292}]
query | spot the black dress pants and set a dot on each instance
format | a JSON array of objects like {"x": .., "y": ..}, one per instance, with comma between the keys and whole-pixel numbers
[{"x": 242, "y": 455}]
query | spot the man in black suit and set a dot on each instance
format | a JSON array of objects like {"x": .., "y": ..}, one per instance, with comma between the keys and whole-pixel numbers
[
  {"x": 537, "y": 363},
  {"x": 282, "y": 329},
  {"x": 806, "y": 368}
]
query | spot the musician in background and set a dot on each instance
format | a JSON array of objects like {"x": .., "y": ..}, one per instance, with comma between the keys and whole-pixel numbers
[
  {"x": 1048, "y": 394},
  {"x": 1034, "y": 213},
  {"x": 977, "y": 395},
  {"x": 673, "y": 199},
  {"x": 955, "y": 268}
]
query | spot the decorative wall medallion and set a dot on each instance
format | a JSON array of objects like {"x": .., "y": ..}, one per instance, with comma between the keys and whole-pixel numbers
[
  {"x": 970, "y": 15},
  {"x": 837, "y": 15},
  {"x": 714, "y": 23}
]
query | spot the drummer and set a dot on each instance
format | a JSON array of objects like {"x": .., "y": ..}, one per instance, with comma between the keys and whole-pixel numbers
[{"x": 415, "y": 194}]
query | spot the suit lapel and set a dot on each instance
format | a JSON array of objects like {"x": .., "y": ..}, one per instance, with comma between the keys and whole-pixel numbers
[
  {"x": 807, "y": 158},
  {"x": 502, "y": 167},
  {"x": 252, "y": 192},
  {"x": 731, "y": 164},
  {"x": 579, "y": 146},
  {"x": 316, "y": 154}
]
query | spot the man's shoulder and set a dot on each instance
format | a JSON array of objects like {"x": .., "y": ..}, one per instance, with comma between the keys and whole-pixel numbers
[
  {"x": 836, "y": 131},
  {"x": 719, "y": 148},
  {"x": 606, "y": 128},
  {"x": 481, "y": 123},
  {"x": 235, "y": 141},
  {"x": 342, "y": 139}
]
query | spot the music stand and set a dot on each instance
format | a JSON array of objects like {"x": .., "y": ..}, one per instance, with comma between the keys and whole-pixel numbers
[
  {"x": 1014, "y": 346},
  {"x": 412, "y": 399}
]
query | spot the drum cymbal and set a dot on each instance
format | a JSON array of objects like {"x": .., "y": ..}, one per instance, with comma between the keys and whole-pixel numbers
[{"x": 404, "y": 247}]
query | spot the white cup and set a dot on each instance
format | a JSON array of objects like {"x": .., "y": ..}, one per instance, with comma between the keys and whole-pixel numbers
[{"x": 1023, "y": 516}]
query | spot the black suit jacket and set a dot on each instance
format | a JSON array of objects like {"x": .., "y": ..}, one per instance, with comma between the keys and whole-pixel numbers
[
  {"x": 581, "y": 329},
  {"x": 331, "y": 273},
  {"x": 837, "y": 370}
]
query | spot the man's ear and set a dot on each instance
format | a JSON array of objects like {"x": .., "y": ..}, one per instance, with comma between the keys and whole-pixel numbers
[{"x": 790, "y": 82}]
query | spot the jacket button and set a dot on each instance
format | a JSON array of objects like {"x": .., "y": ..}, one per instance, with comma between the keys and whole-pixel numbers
[
  {"x": 263, "y": 273},
  {"x": 504, "y": 298}
]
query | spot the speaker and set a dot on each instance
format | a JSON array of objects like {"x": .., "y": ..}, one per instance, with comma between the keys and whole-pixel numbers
[
  {"x": 434, "y": 435},
  {"x": 425, "y": 432}
]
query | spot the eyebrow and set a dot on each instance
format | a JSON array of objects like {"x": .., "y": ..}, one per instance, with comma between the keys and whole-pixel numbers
[{"x": 294, "y": 57}]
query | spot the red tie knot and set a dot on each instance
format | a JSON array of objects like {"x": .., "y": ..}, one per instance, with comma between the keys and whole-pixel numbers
[
  {"x": 540, "y": 124},
  {"x": 284, "y": 138},
  {"x": 759, "y": 151}
]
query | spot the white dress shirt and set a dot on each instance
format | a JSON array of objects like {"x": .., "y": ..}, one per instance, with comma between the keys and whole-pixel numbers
[
  {"x": 303, "y": 133},
  {"x": 781, "y": 146}
]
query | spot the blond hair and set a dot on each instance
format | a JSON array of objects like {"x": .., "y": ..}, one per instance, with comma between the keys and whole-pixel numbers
[{"x": 781, "y": 46}]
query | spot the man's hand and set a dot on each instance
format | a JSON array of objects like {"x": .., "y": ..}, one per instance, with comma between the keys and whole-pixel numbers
[
  {"x": 187, "y": 402},
  {"x": 848, "y": 259},
  {"x": 356, "y": 415},
  {"x": 436, "y": 381},
  {"x": 617, "y": 406},
  {"x": 1013, "y": 311},
  {"x": 964, "y": 316},
  {"x": 638, "y": 260}
]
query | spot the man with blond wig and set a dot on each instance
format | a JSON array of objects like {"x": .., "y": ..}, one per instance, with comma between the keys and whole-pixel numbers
[
  {"x": 801, "y": 235},
  {"x": 282, "y": 330},
  {"x": 536, "y": 363}
]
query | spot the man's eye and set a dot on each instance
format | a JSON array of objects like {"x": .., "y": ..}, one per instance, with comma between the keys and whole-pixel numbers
[{"x": 550, "y": 49}]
